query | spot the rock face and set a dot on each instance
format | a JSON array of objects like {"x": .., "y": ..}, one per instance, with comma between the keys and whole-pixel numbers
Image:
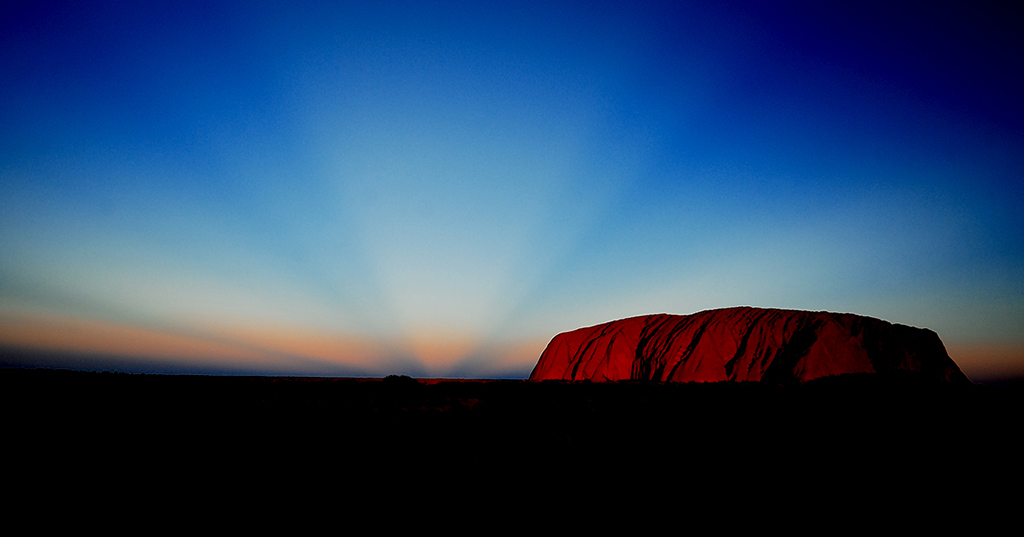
[{"x": 745, "y": 344}]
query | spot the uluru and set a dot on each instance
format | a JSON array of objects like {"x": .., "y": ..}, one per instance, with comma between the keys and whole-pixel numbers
[{"x": 747, "y": 344}]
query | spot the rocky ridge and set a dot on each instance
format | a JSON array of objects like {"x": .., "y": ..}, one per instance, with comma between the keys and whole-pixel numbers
[{"x": 746, "y": 344}]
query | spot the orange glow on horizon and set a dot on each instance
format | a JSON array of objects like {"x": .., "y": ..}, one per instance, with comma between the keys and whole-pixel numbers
[
  {"x": 67, "y": 333},
  {"x": 516, "y": 353},
  {"x": 239, "y": 346},
  {"x": 321, "y": 346},
  {"x": 439, "y": 350},
  {"x": 263, "y": 347},
  {"x": 988, "y": 360}
]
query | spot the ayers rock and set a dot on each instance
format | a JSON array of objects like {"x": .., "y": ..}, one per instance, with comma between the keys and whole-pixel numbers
[{"x": 746, "y": 344}]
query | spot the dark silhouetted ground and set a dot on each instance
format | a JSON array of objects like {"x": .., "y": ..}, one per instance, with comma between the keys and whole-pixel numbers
[{"x": 842, "y": 439}]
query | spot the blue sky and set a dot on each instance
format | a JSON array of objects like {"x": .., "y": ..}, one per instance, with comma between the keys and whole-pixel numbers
[{"x": 438, "y": 188}]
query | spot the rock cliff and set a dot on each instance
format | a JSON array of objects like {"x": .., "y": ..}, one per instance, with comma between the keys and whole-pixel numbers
[{"x": 746, "y": 344}]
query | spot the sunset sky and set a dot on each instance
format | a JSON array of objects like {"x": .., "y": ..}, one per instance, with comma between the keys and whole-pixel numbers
[{"x": 436, "y": 189}]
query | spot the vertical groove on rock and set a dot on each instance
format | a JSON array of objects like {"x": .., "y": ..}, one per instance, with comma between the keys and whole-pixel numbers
[{"x": 685, "y": 356}]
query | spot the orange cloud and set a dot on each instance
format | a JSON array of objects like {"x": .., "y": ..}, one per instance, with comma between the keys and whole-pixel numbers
[
  {"x": 67, "y": 333},
  {"x": 239, "y": 347}
]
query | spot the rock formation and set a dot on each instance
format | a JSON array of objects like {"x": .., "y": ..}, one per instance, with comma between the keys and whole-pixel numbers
[{"x": 745, "y": 344}]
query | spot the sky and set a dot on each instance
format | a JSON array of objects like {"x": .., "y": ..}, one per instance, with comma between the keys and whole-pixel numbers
[{"x": 437, "y": 189}]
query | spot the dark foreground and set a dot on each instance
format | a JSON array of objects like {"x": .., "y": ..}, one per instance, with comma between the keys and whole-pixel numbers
[{"x": 895, "y": 441}]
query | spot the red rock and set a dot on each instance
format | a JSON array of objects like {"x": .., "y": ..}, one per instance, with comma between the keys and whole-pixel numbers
[{"x": 745, "y": 344}]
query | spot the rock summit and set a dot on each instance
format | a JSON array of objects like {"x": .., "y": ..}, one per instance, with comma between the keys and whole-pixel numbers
[{"x": 746, "y": 344}]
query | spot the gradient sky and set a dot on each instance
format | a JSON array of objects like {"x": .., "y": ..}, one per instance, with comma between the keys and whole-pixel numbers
[{"x": 436, "y": 189}]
